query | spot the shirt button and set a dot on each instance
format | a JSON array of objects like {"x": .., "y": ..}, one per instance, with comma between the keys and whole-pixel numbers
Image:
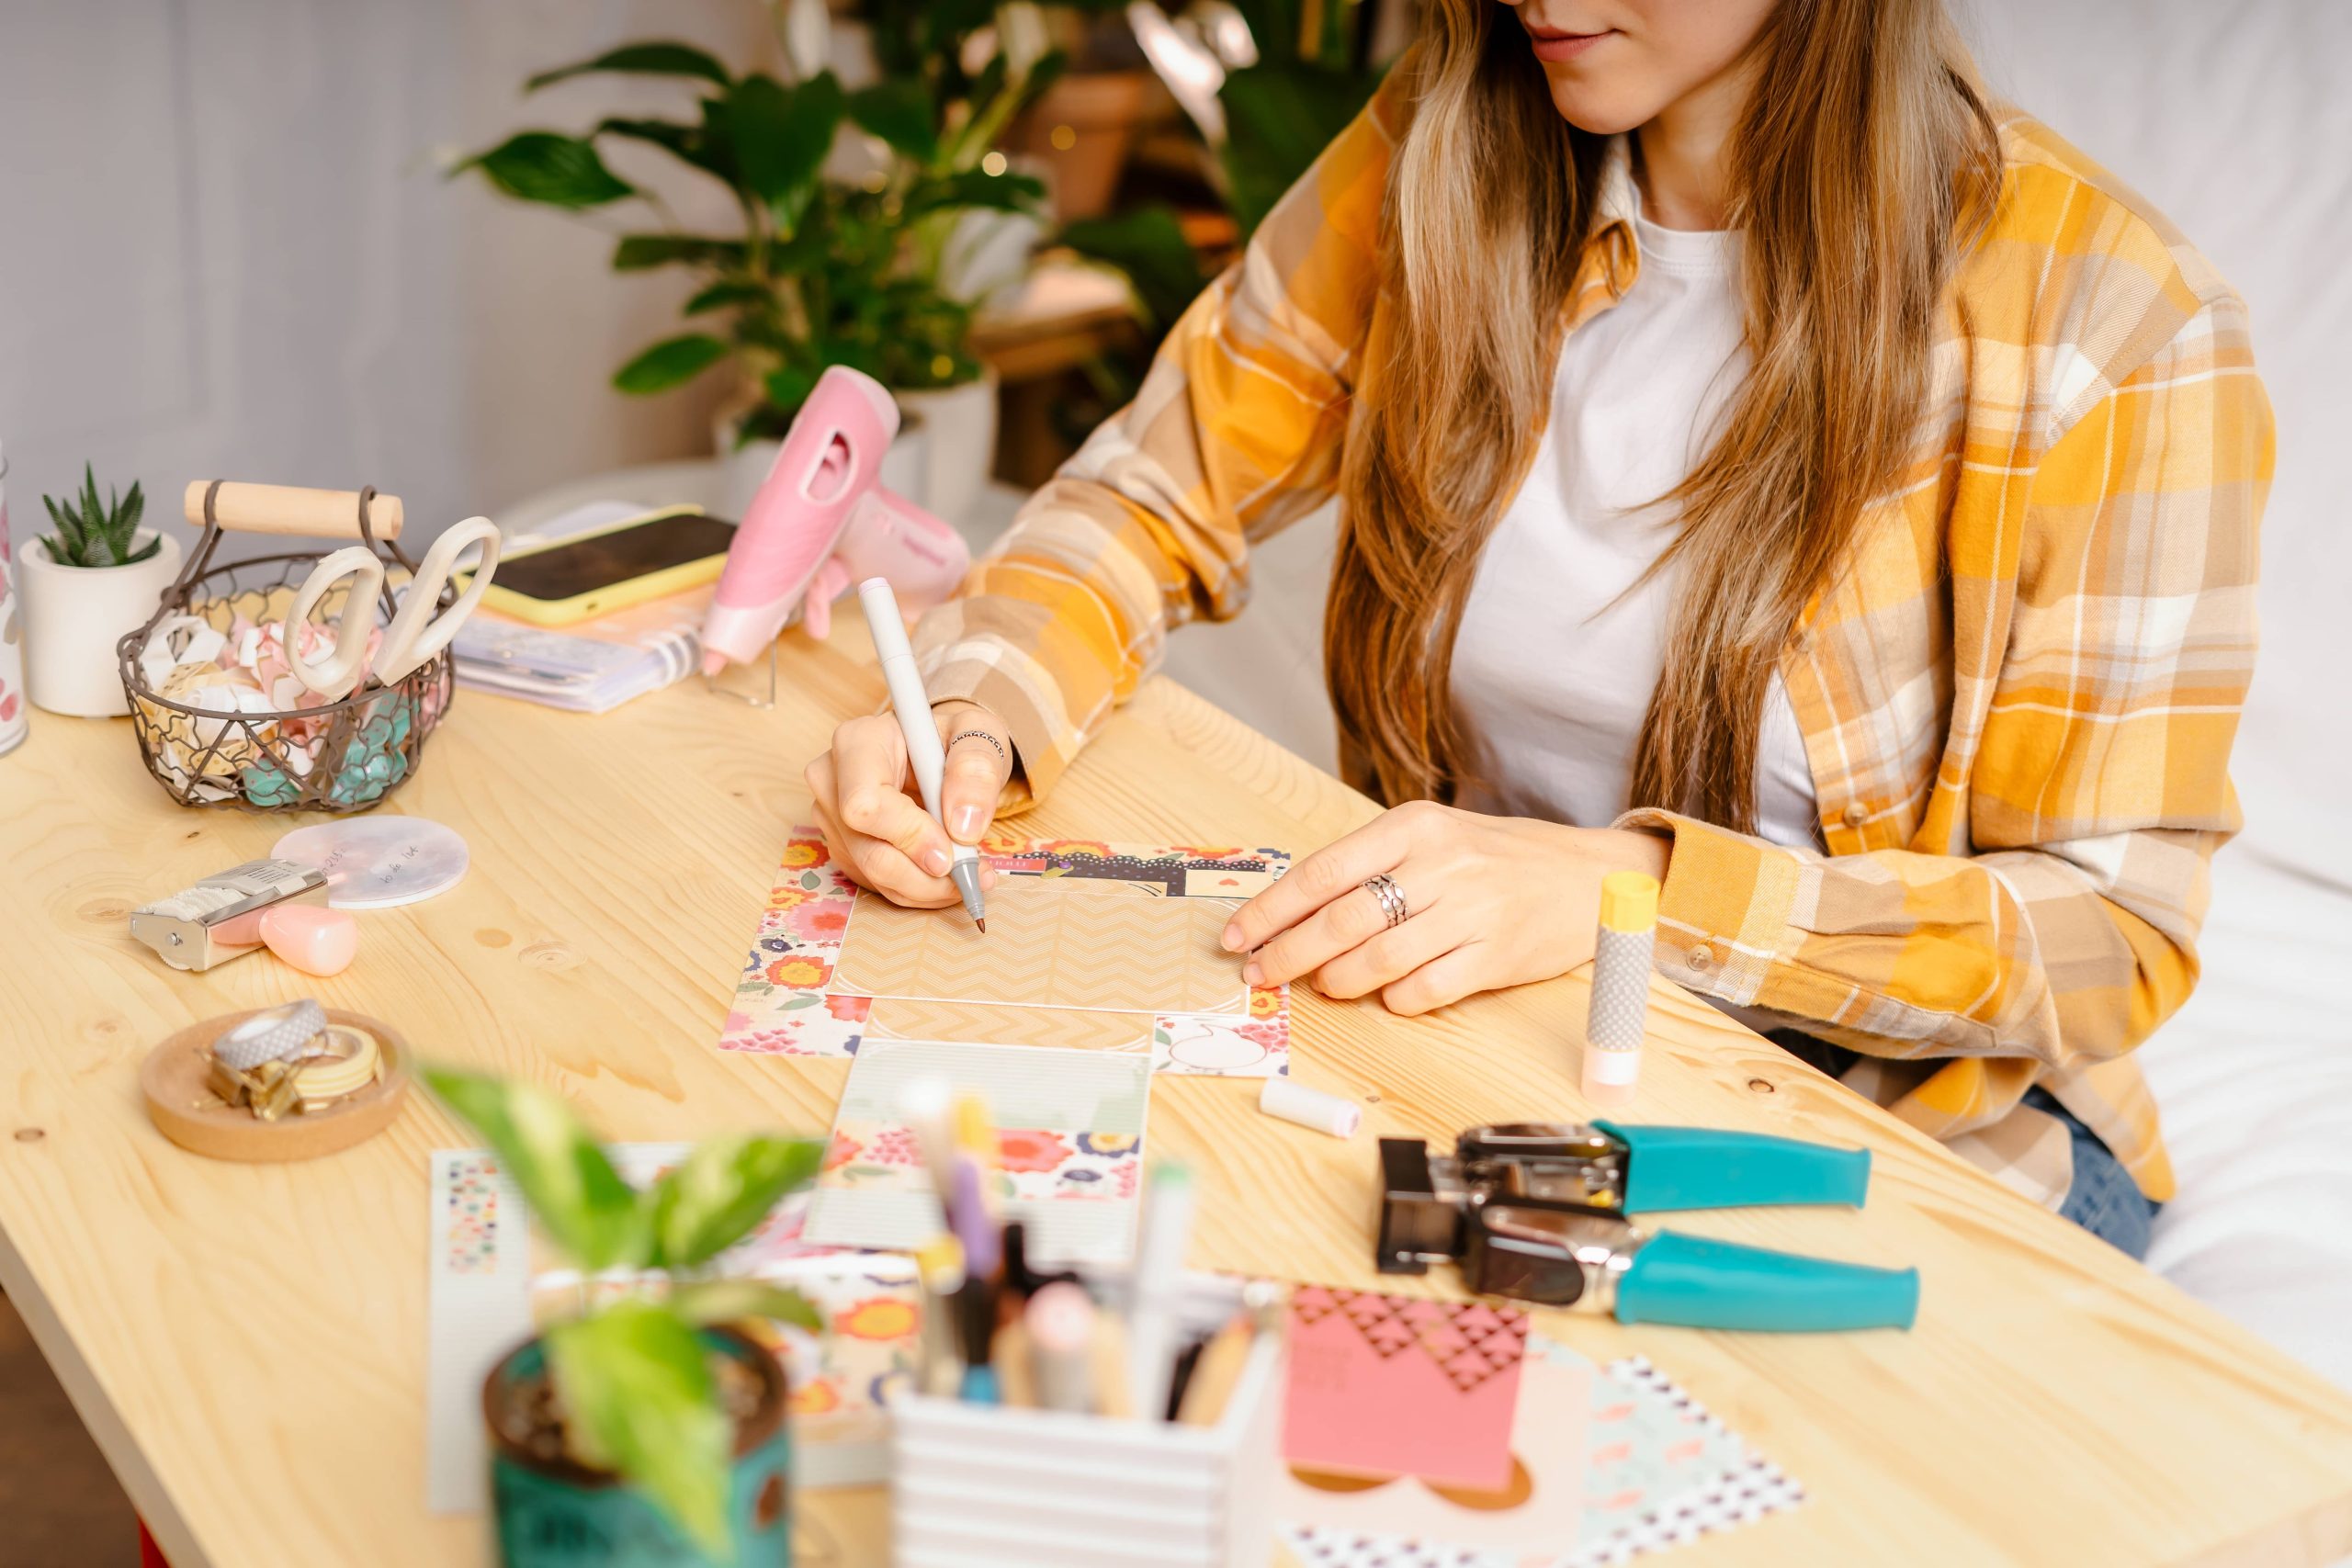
[
  {"x": 1856, "y": 814},
  {"x": 1701, "y": 956}
]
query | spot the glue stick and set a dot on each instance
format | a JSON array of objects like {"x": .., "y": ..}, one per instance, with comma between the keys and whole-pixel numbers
[{"x": 1621, "y": 988}]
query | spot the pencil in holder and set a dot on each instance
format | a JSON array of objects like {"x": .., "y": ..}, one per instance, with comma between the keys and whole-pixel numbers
[
  {"x": 997, "y": 1486},
  {"x": 242, "y": 734}
]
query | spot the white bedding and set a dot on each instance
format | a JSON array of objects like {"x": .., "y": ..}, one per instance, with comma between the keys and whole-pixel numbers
[{"x": 2254, "y": 1076}]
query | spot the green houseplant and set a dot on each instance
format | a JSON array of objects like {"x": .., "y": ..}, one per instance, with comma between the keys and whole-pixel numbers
[
  {"x": 820, "y": 270},
  {"x": 97, "y": 577},
  {"x": 1297, "y": 74},
  {"x": 644, "y": 1432}
]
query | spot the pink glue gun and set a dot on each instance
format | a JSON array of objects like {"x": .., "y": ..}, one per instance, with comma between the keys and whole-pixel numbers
[{"x": 822, "y": 522}]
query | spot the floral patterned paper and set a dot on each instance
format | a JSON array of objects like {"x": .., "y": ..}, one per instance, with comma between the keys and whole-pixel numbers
[
  {"x": 786, "y": 1003},
  {"x": 1033, "y": 1163}
]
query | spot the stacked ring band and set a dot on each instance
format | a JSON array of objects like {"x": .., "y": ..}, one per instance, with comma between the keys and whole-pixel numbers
[
  {"x": 994, "y": 744},
  {"x": 1391, "y": 898}
]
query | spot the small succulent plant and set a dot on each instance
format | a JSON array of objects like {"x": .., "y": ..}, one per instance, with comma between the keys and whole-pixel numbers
[{"x": 100, "y": 532}]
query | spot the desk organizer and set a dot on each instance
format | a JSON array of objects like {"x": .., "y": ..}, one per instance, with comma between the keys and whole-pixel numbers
[
  {"x": 211, "y": 741},
  {"x": 989, "y": 1486}
]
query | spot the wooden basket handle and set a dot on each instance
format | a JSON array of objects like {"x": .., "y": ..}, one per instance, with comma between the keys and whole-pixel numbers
[{"x": 287, "y": 509}]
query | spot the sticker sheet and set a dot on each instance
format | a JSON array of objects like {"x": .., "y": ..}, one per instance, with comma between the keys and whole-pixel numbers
[
  {"x": 493, "y": 1284},
  {"x": 1069, "y": 1146},
  {"x": 1606, "y": 1465},
  {"x": 1091, "y": 946}
]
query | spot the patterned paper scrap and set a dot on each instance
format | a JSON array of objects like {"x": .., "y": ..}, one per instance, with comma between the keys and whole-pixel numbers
[
  {"x": 832, "y": 966},
  {"x": 1385, "y": 1386},
  {"x": 1657, "y": 1469},
  {"x": 1070, "y": 1128}
]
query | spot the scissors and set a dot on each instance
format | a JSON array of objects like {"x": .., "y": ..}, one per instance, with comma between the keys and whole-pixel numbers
[{"x": 417, "y": 632}]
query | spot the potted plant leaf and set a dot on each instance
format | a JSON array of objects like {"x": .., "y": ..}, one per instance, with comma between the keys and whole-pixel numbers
[
  {"x": 97, "y": 577},
  {"x": 647, "y": 1431},
  {"x": 865, "y": 271}
]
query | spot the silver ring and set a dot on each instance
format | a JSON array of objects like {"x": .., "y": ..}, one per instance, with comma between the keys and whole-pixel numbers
[
  {"x": 1392, "y": 900},
  {"x": 980, "y": 735}
]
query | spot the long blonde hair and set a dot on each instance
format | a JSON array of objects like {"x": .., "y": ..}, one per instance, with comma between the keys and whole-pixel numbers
[{"x": 1865, "y": 159}]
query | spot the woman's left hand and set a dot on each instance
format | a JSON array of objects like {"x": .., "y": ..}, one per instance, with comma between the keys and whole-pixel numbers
[{"x": 1492, "y": 901}]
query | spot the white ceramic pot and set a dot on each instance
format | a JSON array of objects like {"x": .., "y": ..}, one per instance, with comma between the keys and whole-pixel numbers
[
  {"x": 75, "y": 616},
  {"x": 961, "y": 423},
  {"x": 744, "y": 468}
]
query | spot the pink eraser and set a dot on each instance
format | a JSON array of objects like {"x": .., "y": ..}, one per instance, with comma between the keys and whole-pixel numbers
[{"x": 315, "y": 941}]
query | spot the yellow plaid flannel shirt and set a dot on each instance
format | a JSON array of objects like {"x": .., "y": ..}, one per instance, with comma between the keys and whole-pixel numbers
[{"x": 2017, "y": 703}]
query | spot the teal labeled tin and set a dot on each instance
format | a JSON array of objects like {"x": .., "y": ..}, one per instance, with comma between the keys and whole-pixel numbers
[{"x": 560, "y": 1514}]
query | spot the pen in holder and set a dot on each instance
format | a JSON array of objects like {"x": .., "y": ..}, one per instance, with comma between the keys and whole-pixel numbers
[
  {"x": 239, "y": 698},
  {"x": 1003, "y": 1486}
]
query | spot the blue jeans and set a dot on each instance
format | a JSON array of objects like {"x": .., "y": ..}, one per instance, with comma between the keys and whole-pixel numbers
[{"x": 2103, "y": 1199}]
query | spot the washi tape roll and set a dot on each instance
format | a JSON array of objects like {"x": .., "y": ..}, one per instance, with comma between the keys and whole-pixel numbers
[
  {"x": 1294, "y": 1101},
  {"x": 345, "y": 1064},
  {"x": 271, "y": 1034}
]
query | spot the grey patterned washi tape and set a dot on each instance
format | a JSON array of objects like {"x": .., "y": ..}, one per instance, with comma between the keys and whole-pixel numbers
[{"x": 270, "y": 1034}]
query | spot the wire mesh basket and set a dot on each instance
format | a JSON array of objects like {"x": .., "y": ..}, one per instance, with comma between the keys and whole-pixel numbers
[{"x": 212, "y": 736}]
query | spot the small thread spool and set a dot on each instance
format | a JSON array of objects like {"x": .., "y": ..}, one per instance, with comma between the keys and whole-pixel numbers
[
  {"x": 1294, "y": 1101},
  {"x": 1619, "y": 1013}
]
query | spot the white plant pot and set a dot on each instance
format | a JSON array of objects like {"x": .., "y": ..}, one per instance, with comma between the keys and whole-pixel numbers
[
  {"x": 743, "y": 469},
  {"x": 962, "y": 423},
  {"x": 75, "y": 616}
]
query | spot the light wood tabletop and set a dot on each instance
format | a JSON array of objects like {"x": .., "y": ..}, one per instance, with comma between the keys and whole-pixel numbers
[{"x": 248, "y": 1343}]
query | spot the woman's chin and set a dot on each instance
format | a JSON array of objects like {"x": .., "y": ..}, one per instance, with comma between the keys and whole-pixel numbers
[{"x": 1598, "y": 109}]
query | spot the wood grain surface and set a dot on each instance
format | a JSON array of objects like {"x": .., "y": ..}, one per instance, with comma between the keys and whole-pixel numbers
[{"x": 217, "y": 1322}]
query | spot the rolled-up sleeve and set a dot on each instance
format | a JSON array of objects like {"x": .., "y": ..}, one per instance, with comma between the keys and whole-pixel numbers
[{"x": 1237, "y": 433}]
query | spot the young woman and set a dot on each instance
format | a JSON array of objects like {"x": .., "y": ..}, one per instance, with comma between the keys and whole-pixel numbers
[{"x": 1759, "y": 466}]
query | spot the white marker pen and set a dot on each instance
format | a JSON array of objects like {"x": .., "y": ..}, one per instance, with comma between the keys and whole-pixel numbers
[{"x": 921, "y": 730}]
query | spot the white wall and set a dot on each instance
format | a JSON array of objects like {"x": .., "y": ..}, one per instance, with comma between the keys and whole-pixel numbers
[{"x": 225, "y": 248}]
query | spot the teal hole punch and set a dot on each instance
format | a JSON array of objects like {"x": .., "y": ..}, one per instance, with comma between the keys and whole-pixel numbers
[{"x": 1536, "y": 1210}]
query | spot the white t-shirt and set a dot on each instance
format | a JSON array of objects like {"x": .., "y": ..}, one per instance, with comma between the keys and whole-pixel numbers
[{"x": 1553, "y": 670}]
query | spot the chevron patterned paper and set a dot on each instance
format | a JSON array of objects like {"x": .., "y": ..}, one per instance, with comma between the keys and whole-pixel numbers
[
  {"x": 1051, "y": 943},
  {"x": 895, "y": 1018}
]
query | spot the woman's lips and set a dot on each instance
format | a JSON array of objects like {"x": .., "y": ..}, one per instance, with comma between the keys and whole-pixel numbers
[{"x": 1554, "y": 46}]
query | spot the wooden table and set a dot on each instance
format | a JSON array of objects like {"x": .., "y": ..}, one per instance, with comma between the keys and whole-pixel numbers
[{"x": 2056, "y": 1402}]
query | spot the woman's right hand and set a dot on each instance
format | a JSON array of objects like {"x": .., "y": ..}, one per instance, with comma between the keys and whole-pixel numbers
[{"x": 873, "y": 817}]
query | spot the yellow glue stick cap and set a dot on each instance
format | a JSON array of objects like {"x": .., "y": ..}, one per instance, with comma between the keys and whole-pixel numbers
[
  {"x": 1628, "y": 901},
  {"x": 941, "y": 1254}
]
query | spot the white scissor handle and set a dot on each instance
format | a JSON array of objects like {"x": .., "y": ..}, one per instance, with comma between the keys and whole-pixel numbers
[
  {"x": 416, "y": 633},
  {"x": 334, "y": 677}
]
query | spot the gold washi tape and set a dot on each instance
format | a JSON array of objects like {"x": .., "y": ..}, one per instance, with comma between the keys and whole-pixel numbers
[{"x": 346, "y": 1062}]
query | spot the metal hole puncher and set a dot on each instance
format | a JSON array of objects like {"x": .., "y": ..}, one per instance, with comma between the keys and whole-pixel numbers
[{"x": 1536, "y": 1210}]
